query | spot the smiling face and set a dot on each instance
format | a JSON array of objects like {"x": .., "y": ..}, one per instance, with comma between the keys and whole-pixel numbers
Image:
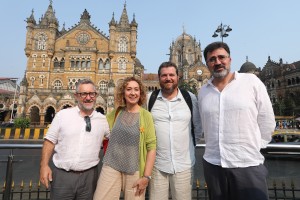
[
  {"x": 218, "y": 62},
  {"x": 132, "y": 93},
  {"x": 168, "y": 80},
  {"x": 86, "y": 97}
]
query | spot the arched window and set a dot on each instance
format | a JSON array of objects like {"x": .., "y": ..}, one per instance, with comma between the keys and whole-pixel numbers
[
  {"x": 293, "y": 81},
  {"x": 278, "y": 83},
  {"x": 122, "y": 46},
  {"x": 57, "y": 84},
  {"x": 100, "y": 65},
  {"x": 44, "y": 60},
  {"x": 62, "y": 63},
  {"x": 56, "y": 63},
  {"x": 107, "y": 64},
  {"x": 103, "y": 87},
  {"x": 185, "y": 75},
  {"x": 41, "y": 41},
  {"x": 122, "y": 63}
]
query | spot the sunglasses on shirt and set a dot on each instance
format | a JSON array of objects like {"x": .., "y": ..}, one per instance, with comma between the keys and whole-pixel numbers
[{"x": 88, "y": 126}]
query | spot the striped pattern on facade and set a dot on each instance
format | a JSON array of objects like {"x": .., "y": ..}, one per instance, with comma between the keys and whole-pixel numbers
[{"x": 17, "y": 133}]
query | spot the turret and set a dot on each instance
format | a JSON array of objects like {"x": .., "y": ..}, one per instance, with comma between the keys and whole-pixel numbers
[
  {"x": 29, "y": 37},
  {"x": 112, "y": 36},
  {"x": 133, "y": 37}
]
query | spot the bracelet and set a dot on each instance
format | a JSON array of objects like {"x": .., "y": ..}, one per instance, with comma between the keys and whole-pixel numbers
[{"x": 147, "y": 177}]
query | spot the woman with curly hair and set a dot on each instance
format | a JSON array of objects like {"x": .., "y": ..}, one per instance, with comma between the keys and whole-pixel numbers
[{"x": 130, "y": 155}]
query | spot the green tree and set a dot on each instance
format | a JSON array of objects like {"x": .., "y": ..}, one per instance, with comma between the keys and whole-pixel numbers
[
  {"x": 190, "y": 86},
  {"x": 21, "y": 123}
]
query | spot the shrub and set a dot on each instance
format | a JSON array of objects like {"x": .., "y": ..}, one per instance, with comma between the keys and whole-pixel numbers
[{"x": 21, "y": 123}]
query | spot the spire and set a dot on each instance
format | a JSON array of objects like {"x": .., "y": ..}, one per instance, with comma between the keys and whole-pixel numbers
[
  {"x": 31, "y": 18},
  {"x": 112, "y": 21},
  {"x": 63, "y": 30},
  {"x": 124, "y": 17},
  {"x": 85, "y": 17},
  {"x": 49, "y": 16},
  {"x": 246, "y": 58},
  {"x": 133, "y": 22}
]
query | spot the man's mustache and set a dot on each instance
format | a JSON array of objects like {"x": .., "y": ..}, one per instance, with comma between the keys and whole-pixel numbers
[
  {"x": 216, "y": 67},
  {"x": 168, "y": 81},
  {"x": 88, "y": 101}
]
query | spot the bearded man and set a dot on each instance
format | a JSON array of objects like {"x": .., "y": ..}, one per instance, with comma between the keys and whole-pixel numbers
[
  {"x": 237, "y": 120},
  {"x": 175, "y": 156}
]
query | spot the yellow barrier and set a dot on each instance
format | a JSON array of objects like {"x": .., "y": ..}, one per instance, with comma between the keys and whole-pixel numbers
[
  {"x": 27, "y": 134},
  {"x": 286, "y": 132}
]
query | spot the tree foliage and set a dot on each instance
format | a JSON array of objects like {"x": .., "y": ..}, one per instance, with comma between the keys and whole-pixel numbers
[{"x": 21, "y": 123}]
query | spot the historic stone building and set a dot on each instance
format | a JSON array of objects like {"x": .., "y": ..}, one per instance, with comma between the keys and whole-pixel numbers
[
  {"x": 283, "y": 85},
  {"x": 186, "y": 53},
  {"x": 57, "y": 59},
  {"x": 282, "y": 82},
  {"x": 9, "y": 92}
]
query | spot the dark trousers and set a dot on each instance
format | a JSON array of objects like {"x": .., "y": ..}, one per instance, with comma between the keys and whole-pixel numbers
[
  {"x": 73, "y": 185},
  {"x": 236, "y": 183}
]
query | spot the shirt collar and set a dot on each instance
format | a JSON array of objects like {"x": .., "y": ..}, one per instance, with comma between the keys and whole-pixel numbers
[
  {"x": 78, "y": 110},
  {"x": 177, "y": 98},
  {"x": 236, "y": 76}
]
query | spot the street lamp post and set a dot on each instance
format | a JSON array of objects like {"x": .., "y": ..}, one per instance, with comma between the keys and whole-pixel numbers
[
  {"x": 13, "y": 104},
  {"x": 222, "y": 30}
]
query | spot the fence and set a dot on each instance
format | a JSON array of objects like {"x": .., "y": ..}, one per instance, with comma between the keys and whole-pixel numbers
[{"x": 34, "y": 190}]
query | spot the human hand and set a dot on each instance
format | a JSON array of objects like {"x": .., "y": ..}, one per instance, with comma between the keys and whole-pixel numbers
[
  {"x": 140, "y": 185},
  {"x": 45, "y": 175}
]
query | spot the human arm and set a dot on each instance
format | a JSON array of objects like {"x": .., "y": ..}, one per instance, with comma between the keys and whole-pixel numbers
[
  {"x": 142, "y": 183},
  {"x": 196, "y": 119},
  {"x": 266, "y": 117},
  {"x": 45, "y": 171}
]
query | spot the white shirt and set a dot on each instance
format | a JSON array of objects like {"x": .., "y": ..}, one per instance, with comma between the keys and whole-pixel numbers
[
  {"x": 237, "y": 122},
  {"x": 75, "y": 149},
  {"x": 172, "y": 120}
]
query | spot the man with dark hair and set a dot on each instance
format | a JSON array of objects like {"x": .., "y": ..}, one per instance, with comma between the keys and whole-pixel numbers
[
  {"x": 75, "y": 136},
  {"x": 238, "y": 120},
  {"x": 175, "y": 156}
]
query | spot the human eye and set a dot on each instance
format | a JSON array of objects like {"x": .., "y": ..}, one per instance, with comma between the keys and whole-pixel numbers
[
  {"x": 84, "y": 94},
  {"x": 137, "y": 89},
  {"x": 212, "y": 59},
  {"x": 93, "y": 94},
  {"x": 221, "y": 57}
]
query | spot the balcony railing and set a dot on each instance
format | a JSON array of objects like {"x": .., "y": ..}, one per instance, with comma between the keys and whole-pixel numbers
[{"x": 21, "y": 164}]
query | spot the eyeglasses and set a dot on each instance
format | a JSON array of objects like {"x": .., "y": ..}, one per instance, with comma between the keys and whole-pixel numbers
[
  {"x": 88, "y": 126},
  {"x": 213, "y": 59},
  {"x": 85, "y": 94}
]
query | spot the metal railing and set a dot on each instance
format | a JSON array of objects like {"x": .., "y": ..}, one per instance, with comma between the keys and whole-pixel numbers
[{"x": 277, "y": 190}]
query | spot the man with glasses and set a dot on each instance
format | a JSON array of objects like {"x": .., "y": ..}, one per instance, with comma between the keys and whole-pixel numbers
[
  {"x": 238, "y": 120},
  {"x": 75, "y": 136}
]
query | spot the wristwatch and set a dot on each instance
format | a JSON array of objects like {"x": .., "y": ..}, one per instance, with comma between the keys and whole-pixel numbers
[{"x": 148, "y": 177}]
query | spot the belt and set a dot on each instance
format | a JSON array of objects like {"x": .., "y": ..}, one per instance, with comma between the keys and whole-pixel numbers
[{"x": 79, "y": 172}]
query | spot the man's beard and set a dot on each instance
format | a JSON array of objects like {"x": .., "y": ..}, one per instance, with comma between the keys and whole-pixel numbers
[
  {"x": 221, "y": 74},
  {"x": 85, "y": 107},
  {"x": 168, "y": 90}
]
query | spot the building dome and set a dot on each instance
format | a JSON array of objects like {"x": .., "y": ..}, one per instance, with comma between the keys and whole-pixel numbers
[{"x": 248, "y": 67}]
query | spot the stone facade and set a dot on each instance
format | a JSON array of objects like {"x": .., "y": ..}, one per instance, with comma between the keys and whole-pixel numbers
[
  {"x": 283, "y": 85},
  {"x": 9, "y": 92},
  {"x": 57, "y": 59},
  {"x": 186, "y": 53}
]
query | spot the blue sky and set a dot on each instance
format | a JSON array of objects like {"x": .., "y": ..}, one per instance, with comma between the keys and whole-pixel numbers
[{"x": 261, "y": 28}]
